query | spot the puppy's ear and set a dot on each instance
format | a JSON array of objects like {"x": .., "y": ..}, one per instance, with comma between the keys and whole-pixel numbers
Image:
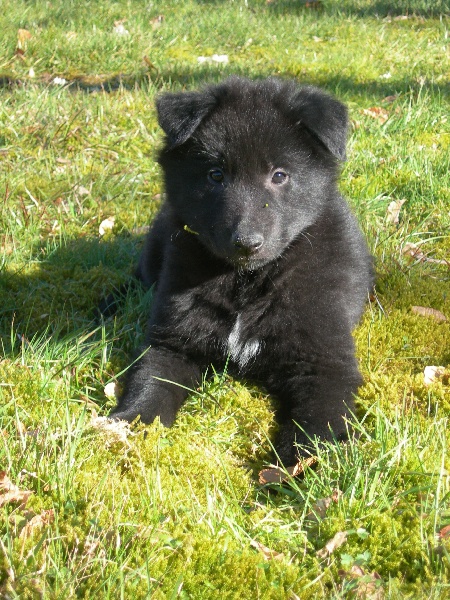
[
  {"x": 324, "y": 116},
  {"x": 179, "y": 115}
]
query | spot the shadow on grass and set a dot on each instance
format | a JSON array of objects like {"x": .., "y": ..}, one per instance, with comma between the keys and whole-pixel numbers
[
  {"x": 58, "y": 292},
  {"x": 363, "y": 8},
  {"x": 195, "y": 77}
]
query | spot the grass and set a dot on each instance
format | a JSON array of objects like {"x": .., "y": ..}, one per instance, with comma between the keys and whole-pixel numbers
[{"x": 179, "y": 513}]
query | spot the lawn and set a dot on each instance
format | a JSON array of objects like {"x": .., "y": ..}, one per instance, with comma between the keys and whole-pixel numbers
[{"x": 93, "y": 510}]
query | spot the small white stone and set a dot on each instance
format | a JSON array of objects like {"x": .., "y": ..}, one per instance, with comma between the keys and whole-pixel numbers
[
  {"x": 106, "y": 225},
  {"x": 119, "y": 29},
  {"x": 111, "y": 390},
  {"x": 432, "y": 374}
]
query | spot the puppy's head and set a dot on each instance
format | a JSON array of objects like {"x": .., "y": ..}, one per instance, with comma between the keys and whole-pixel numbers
[{"x": 249, "y": 166}]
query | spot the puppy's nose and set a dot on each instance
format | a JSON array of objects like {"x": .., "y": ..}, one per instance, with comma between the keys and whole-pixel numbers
[{"x": 247, "y": 244}]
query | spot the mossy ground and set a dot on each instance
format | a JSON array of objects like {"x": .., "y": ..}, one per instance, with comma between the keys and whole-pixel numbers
[{"x": 172, "y": 513}]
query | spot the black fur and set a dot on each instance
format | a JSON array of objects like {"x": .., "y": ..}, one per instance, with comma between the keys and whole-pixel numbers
[{"x": 255, "y": 255}]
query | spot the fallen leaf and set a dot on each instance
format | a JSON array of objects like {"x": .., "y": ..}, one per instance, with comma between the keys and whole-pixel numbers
[
  {"x": 369, "y": 586},
  {"x": 38, "y": 522},
  {"x": 431, "y": 374},
  {"x": 267, "y": 552},
  {"x": 377, "y": 112},
  {"x": 390, "y": 99},
  {"x": 157, "y": 21},
  {"x": 393, "y": 211},
  {"x": 23, "y": 35},
  {"x": 278, "y": 474},
  {"x": 320, "y": 507},
  {"x": 335, "y": 542},
  {"x": 414, "y": 250},
  {"x": 9, "y": 492},
  {"x": 424, "y": 311},
  {"x": 106, "y": 225},
  {"x": 80, "y": 190},
  {"x": 445, "y": 532}
]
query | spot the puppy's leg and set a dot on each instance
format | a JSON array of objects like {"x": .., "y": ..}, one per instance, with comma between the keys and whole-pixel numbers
[
  {"x": 157, "y": 386},
  {"x": 314, "y": 403}
]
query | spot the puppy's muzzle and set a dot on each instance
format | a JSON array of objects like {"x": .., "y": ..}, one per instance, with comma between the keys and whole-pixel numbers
[{"x": 247, "y": 245}]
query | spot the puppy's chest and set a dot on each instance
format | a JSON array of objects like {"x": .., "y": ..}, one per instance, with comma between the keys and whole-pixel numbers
[
  {"x": 239, "y": 318},
  {"x": 241, "y": 346}
]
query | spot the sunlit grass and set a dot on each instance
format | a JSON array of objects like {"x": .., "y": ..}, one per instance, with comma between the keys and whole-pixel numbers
[{"x": 179, "y": 513}]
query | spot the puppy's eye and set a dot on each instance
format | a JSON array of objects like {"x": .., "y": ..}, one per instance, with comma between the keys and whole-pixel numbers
[
  {"x": 279, "y": 177},
  {"x": 216, "y": 175}
]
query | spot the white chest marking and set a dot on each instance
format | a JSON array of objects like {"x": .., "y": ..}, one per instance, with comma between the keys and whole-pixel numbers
[{"x": 240, "y": 351}]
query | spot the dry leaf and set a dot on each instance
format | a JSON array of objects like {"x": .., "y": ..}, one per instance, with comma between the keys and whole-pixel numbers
[
  {"x": 267, "y": 552},
  {"x": 335, "y": 542},
  {"x": 424, "y": 311},
  {"x": 393, "y": 211},
  {"x": 445, "y": 532},
  {"x": 369, "y": 586},
  {"x": 10, "y": 492},
  {"x": 157, "y": 21},
  {"x": 23, "y": 35},
  {"x": 38, "y": 522},
  {"x": 412, "y": 250},
  {"x": 80, "y": 190},
  {"x": 390, "y": 99},
  {"x": 432, "y": 374},
  {"x": 377, "y": 112},
  {"x": 106, "y": 225},
  {"x": 415, "y": 251},
  {"x": 278, "y": 475},
  {"x": 320, "y": 507}
]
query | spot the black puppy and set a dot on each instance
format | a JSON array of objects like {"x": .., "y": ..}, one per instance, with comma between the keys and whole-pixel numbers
[{"x": 255, "y": 256}]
